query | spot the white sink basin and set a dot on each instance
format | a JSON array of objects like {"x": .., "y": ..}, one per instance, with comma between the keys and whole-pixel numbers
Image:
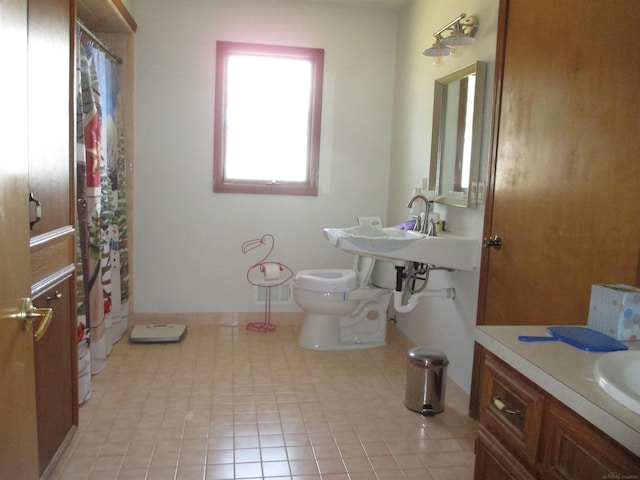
[
  {"x": 390, "y": 244},
  {"x": 618, "y": 374}
]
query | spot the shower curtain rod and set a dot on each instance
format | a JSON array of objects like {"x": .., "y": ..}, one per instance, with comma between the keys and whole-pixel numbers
[{"x": 99, "y": 42}]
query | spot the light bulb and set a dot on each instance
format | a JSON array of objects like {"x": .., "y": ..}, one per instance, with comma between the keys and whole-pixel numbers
[{"x": 437, "y": 61}]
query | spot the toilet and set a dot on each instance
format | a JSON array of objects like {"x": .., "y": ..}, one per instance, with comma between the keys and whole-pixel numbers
[{"x": 342, "y": 309}]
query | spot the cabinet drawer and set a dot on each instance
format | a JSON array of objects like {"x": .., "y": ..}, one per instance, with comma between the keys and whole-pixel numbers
[
  {"x": 573, "y": 449},
  {"x": 494, "y": 462},
  {"x": 511, "y": 409}
]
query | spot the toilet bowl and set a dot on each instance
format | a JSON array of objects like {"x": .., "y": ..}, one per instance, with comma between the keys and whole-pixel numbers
[{"x": 341, "y": 309}]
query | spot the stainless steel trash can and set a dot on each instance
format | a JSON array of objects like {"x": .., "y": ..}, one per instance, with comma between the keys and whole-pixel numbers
[{"x": 426, "y": 380}]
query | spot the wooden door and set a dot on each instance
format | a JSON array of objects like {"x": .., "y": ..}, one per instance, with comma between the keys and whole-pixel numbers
[
  {"x": 18, "y": 449},
  {"x": 565, "y": 166}
]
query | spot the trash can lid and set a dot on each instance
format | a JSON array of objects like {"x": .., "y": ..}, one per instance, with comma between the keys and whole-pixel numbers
[{"x": 427, "y": 357}]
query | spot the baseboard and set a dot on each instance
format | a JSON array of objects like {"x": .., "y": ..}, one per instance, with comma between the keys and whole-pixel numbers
[{"x": 230, "y": 319}]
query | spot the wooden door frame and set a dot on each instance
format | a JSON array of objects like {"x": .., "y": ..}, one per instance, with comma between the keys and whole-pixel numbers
[
  {"x": 501, "y": 47},
  {"x": 493, "y": 155}
]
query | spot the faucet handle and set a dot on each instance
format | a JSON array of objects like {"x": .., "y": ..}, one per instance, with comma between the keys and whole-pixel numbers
[
  {"x": 418, "y": 225},
  {"x": 432, "y": 228}
]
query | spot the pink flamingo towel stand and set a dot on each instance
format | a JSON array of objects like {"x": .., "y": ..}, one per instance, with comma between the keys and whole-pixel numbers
[{"x": 266, "y": 275}]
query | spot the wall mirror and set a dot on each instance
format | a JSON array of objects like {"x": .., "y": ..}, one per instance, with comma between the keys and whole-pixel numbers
[{"x": 456, "y": 138}]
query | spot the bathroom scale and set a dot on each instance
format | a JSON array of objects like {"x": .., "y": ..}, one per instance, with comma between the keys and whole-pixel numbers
[
  {"x": 580, "y": 337},
  {"x": 153, "y": 333}
]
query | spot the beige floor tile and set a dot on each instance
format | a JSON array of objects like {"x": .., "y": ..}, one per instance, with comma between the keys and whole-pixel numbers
[
  {"x": 303, "y": 467},
  {"x": 228, "y": 404},
  {"x": 330, "y": 465},
  {"x": 219, "y": 472},
  {"x": 216, "y": 457}
]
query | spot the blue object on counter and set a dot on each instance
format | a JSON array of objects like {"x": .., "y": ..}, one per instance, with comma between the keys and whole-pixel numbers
[
  {"x": 532, "y": 338},
  {"x": 579, "y": 337},
  {"x": 408, "y": 225}
]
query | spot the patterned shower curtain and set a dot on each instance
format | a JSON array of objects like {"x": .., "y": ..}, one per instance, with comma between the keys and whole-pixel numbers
[{"x": 102, "y": 261}]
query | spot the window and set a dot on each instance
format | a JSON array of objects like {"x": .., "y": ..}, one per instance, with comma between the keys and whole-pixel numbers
[{"x": 267, "y": 118}]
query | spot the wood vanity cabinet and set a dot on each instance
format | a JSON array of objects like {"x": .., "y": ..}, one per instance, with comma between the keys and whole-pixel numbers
[
  {"x": 495, "y": 462},
  {"x": 511, "y": 410},
  {"x": 572, "y": 448},
  {"x": 52, "y": 240},
  {"x": 525, "y": 433},
  {"x": 55, "y": 360}
]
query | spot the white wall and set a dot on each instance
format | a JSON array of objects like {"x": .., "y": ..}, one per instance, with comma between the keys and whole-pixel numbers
[
  {"x": 438, "y": 323},
  {"x": 376, "y": 135},
  {"x": 188, "y": 239}
]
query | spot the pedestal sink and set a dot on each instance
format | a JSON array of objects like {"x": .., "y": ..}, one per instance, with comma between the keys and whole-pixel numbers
[
  {"x": 618, "y": 374},
  {"x": 390, "y": 244}
]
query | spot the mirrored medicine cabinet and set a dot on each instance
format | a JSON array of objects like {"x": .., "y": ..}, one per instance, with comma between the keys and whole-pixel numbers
[{"x": 456, "y": 138}]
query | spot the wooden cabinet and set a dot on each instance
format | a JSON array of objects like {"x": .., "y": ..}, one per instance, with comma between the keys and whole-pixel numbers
[
  {"x": 51, "y": 141},
  {"x": 526, "y": 433},
  {"x": 52, "y": 242},
  {"x": 511, "y": 410},
  {"x": 574, "y": 449},
  {"x": 495, "y": 462},
  {"x": 55, "y": 361}
]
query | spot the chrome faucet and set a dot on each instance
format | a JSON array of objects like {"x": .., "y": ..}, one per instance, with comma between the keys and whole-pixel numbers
[{"x": 421, "y": 226}]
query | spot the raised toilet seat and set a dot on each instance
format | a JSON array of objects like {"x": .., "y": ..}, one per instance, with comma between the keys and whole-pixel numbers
[{"x": 337, "y": 313}]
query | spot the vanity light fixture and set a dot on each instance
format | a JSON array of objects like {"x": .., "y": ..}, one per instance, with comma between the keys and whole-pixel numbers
[
  {"x": 437, "y": 51},
  {"x": 463, "y": 31}
]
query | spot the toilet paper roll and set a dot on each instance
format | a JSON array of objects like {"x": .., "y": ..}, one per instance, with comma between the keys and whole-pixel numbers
[{"x": 271, "y": 271}]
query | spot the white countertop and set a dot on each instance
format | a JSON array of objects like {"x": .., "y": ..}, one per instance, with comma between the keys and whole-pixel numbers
[{"x": 566, "y": 373}]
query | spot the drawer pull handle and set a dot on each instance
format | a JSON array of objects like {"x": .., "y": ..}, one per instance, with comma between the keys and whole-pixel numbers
[{"x": 499, "y": 404}]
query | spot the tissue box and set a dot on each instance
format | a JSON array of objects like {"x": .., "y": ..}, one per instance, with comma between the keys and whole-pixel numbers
[{"x": 615, "y": 311}]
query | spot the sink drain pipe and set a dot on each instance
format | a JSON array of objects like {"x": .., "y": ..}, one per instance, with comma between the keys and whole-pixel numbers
[{"x": 414, "y": 299}]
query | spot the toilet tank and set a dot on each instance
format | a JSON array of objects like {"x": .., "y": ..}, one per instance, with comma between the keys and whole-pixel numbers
[{"x": 384, "y": 275}]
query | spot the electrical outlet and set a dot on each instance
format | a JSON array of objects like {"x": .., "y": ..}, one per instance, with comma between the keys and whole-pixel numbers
[
  {"x": 425, "y": 184},
  {"x": 481, "y": 192}
]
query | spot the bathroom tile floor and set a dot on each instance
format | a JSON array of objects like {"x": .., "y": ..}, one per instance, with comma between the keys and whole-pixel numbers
[{"x": 227, "y": 403}]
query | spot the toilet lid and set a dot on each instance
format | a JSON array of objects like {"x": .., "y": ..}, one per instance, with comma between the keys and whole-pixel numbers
[{"x": 328, "y": 280}]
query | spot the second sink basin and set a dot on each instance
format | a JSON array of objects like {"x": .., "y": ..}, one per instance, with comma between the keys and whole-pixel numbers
[
  {"x": 618, "y": 374},
  {"x": 390, "y": 244}
]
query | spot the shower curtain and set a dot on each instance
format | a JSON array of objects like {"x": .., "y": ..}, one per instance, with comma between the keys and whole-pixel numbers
[{"x": 102, "y": 262}]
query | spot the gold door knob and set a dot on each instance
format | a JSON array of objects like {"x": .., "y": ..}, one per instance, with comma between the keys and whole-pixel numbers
[{"x": 31, "y": 314}]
